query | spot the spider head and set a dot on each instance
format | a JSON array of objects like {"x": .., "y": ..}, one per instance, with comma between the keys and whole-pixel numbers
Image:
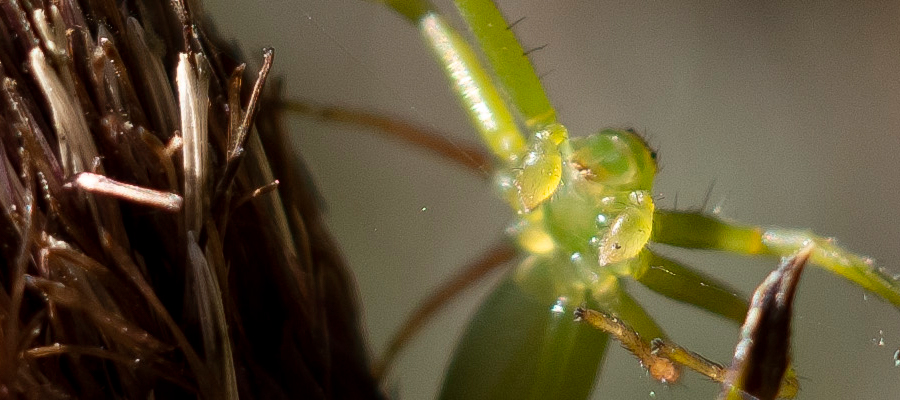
[
  {"x": 602, "y": 206},
  {"x": 618, "y": 160}
]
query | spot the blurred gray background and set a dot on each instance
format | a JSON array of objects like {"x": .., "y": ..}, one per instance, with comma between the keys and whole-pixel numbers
[{"x": 790, "y": 111}]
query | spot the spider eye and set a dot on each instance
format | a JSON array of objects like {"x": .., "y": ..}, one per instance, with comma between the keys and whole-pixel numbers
[{"x": 619, "y": 159}]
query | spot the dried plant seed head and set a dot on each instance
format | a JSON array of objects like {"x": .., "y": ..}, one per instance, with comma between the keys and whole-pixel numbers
[{"x": 134, "y": 265}]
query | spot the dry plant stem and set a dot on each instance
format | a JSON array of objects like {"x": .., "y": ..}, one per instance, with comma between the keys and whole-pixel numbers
[
  {"x": 491, "y": 260},
  {"x": 100, "y": 184},
  {"x": 204, "y": 280},
  {"x": 239, "y": 126},
  {"x": 137, "y": 278},
  {"x": 268, "y": 188},
  {"x": 20, "y": 263},
  {"x": 469, "y": 156},
  {"x": 240, "y": 122},
  {"x": 65, "y": 349},
  {"x": 216, "y": 338}
]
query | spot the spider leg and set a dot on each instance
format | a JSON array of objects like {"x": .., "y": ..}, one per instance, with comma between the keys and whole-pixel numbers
[
  {"x": 612, "y": 298},
  {"x": 660, "y": 368},
  {"x": 689, "y": 359},
  {"x": 496, "y": 257},
  {"x": 627, "y": 321},
  {"x": 682, "y": 283},
  {"x": 701, "y": 231},
  {"x": 509, "y": 62},
  {"x": 464, "y": 154},
  {"x": 536, "y": 162},
  {"x": 713, "y": 370},
  {"x": 469, "y": 79},
  {"x": 505, "y": 59}
]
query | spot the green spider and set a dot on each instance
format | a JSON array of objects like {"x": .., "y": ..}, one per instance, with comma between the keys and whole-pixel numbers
[{"x": 658, "y": 133}]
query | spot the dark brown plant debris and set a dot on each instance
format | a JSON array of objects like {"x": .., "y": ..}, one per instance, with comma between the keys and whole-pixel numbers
[
  {"x": 761, "y": 368},
  {"x": 158, "y": 238}
]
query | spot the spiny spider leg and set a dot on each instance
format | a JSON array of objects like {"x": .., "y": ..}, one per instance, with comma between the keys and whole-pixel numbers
[
  {"x": 687, "y": 285},
  {"x": 701, "y": 231},
  {"x": 660, "y": 368}
]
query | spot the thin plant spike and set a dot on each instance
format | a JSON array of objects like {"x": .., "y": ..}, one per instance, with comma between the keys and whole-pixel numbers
[
  {"x": 509, "y": 62},
  {"x": 762, "y": 356},
  {"x": 113, "y": 325},
  {"x": 700, "y": 231}
]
